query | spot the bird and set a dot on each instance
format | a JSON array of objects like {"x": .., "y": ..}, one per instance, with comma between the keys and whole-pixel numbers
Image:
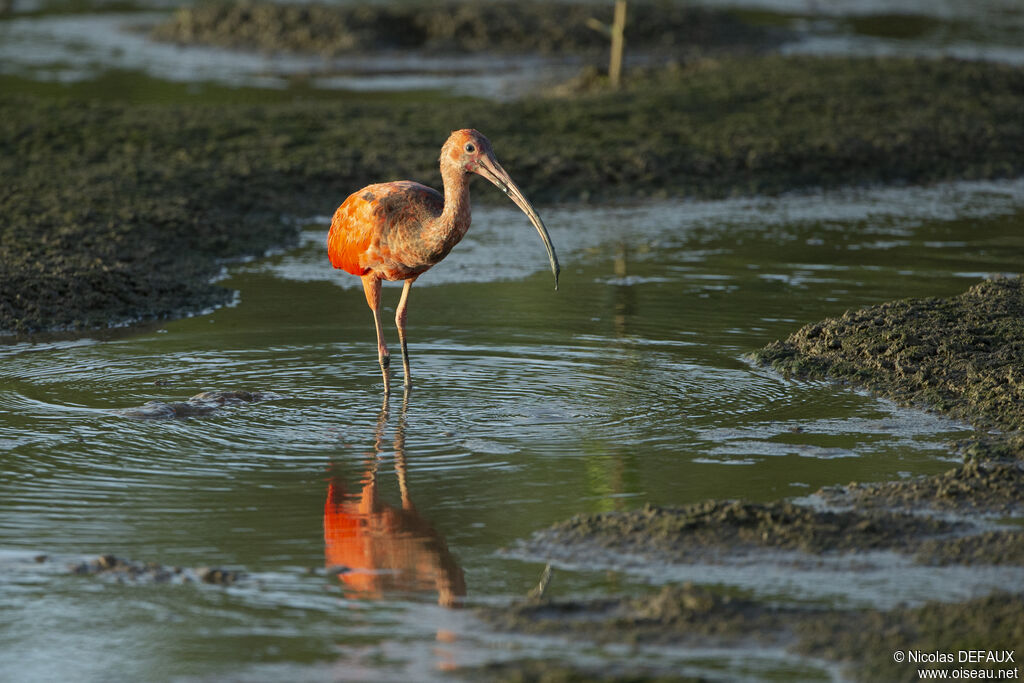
[{"x": 398, "y": 230}]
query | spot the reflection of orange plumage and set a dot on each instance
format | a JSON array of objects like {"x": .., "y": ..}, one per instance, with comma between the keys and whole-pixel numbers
[
  {"x": 399, "y": 230},
  {"x": 377, "y": 547}
]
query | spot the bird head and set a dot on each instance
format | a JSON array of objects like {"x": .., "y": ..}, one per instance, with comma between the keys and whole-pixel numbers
[
  {"x": 470, "y": 151},
  {"x": 464, "y": 150}
]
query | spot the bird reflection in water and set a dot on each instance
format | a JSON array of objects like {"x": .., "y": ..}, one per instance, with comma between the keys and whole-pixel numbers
[{"x": 377, "y": 548}]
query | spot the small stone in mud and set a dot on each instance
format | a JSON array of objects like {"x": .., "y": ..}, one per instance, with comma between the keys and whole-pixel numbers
[
  {"x": 214, "y": 575},
  {"x": 336, "y": 570},
  {"x": 108, "y": 562},
  {"x": 124, "y": 570}
]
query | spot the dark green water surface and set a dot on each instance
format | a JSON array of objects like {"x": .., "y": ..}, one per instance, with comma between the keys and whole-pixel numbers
[{"x": 625, "y": 387}]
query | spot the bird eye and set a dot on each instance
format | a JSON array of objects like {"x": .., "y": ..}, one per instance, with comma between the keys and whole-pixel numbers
[{"x": 470, "y": 147}]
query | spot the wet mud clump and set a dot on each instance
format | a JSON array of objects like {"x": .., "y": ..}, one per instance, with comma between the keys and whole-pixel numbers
[
  {"x": 980, "y": 486},
  {"x": 200, "y": 405},
  {"x": 557, "y": 671},
  {"x": 675, "y": 613},
  {"x": 701, "y": 530},
  {"x": 991, "y": 547},
  {"x": 716, "y": 532},
  {"x": 454, "y": 27},
  {"x": 127, "y": 571},
  {"x": 867, "y": 640}
]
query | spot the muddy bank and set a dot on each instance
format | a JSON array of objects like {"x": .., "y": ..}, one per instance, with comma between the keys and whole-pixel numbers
[
  {"x": 555, "y": 671},
  {"x": 112, "y": 213},
  {"x": 862, "y": 641},
  {"x": 962, "y": 356},
  {"x": 719, "y": 531},
  {"x": 457, "y": 27},
  {"x": 694, "y": 532}
]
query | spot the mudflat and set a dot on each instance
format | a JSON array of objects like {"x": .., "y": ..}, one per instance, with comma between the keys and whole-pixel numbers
[{"x": 118, "y": 212}]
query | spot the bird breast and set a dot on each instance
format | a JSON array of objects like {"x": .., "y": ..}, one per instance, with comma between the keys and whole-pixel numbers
[{"x": 396, "y": 230}]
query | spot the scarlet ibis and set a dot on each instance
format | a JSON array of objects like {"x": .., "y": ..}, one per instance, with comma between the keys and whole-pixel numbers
[{"x": 399, "y": 230}]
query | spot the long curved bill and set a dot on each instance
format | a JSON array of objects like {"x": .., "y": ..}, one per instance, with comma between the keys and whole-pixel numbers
[{"x": 489, "y": 168}]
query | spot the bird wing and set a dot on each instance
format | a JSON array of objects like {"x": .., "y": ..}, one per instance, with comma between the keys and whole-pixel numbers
[
  {"x": 352, "y": 231},
  {"x": 375, "y": 227}
]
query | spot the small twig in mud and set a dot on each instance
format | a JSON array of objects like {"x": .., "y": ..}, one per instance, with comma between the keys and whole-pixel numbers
[
  {"x": 616, "y": 33},
  {"x": 542, "y": 586}
]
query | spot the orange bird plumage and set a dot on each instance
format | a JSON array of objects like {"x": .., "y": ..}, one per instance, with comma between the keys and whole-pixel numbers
[{"x": 399, "y": 230}]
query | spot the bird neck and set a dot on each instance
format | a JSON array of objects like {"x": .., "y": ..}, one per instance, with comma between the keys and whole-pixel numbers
[{"x": 454, "y": 220}]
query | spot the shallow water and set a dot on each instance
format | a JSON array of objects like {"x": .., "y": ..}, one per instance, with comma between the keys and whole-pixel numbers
[{"x": 626, "y": 386}]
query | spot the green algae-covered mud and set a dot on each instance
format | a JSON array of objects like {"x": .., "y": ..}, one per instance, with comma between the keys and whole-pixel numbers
[
  {"x": 116, "y": 212},
  {"x": 960, "y": 356}
]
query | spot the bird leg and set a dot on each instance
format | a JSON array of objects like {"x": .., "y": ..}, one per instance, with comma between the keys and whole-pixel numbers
[
  {"x": 371, "y": 287},
  {"x": 400, "y": 314}
]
